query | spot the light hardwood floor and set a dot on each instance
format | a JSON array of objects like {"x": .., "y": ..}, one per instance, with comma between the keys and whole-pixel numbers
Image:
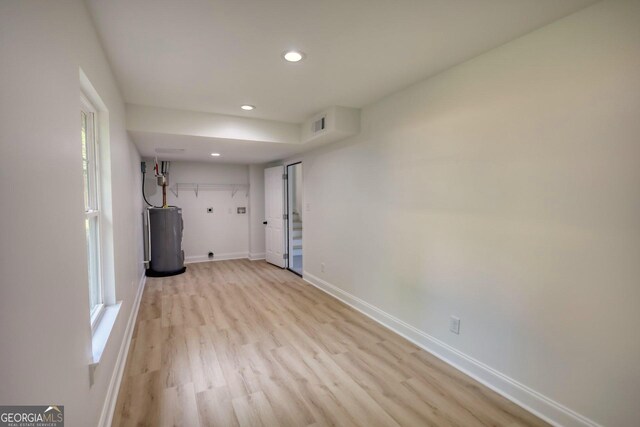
[{"x": 242, "y": 343}]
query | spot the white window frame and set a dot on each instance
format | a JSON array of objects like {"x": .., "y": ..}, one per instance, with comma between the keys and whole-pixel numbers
[{"x": 93, "y": 210}]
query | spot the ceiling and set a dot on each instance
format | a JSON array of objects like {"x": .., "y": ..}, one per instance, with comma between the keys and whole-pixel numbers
[
  {"x": 215, "y": 55},
  {"x": 198, "y": 148}
]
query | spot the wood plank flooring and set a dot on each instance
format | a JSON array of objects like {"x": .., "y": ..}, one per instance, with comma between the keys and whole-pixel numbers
[{"x": 242, "y": 343}]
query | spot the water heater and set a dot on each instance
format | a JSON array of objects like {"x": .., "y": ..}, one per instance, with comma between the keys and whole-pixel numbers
[{"x": 164, "y": 231}]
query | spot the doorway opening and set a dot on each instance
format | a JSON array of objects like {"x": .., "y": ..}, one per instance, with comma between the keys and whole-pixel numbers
[{"x": 294, "y": 217}]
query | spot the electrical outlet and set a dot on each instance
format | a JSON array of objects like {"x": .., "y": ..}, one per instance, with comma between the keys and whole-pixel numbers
[
  {"x": 209, "y": 210},
  {"x": 454, "y": 324},
  {"x": 322, "y": 267}
]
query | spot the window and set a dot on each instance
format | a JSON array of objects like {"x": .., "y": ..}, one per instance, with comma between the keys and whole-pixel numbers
[{"x": 91, "y": 173}]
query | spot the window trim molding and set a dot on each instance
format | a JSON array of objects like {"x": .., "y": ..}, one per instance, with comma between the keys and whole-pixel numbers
[
  {"x": 96, "y": 316},
  {"x": 88, "y": 108}
]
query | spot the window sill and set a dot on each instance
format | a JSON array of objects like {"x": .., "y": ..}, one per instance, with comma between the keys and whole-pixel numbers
[{"x": 101, "y": 334}]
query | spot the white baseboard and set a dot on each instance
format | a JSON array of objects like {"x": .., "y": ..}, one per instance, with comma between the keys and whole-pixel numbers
[
  {"x": 216, "y": 257},
  {"x": 106, "y": 417},
  {"x": 534, "y": 402},
  {"x": 257, "y": 256}
]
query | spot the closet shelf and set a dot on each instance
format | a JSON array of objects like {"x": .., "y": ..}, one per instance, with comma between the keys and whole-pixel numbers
[{"x": 197, "y": 187}]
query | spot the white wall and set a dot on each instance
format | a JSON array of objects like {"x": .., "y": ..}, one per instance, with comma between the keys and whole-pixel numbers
[
  {"x": 504, "y": 191},
  {"x": 44, "y": 315},
  {"x": 223, "y": 232},
  {"x": 256, "y": 212}
]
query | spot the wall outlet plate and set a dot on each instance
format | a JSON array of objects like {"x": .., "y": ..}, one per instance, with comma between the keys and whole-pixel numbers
[{"x": 454, "y": 324}]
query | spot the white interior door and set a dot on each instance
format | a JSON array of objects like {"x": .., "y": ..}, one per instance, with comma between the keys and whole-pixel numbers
[{"x": 274, "y": 212}]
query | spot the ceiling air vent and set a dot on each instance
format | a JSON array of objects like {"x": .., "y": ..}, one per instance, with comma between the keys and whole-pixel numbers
[
  {"x": 169, "y": 150},
  {"x": 332, "y": 124},
  {"x": 318, "y": 125}
]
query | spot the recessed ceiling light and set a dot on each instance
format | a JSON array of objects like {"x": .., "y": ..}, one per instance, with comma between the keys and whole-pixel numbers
[
  {"x": 248, "y": 107},
  {"x": 293, "y": 56},
  {"x": 215, "y": 154}
]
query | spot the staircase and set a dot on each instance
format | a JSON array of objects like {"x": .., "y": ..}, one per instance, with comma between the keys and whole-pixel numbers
[{"x": 296, "y": 235}]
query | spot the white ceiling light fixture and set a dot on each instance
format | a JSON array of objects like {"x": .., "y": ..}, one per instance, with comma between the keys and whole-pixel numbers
[
  {"x": 293, "y": 56},
  {"x": 248, "y": 107},
  {"x": 215, "y": 154}
]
